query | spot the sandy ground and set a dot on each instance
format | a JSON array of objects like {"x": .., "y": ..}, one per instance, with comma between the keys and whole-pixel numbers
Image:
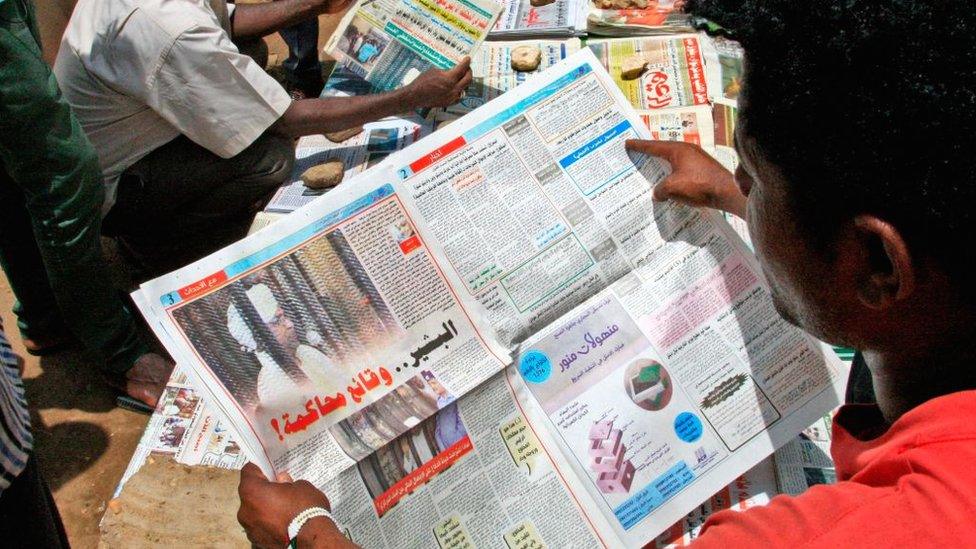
[{"x": 83, "y": 442}]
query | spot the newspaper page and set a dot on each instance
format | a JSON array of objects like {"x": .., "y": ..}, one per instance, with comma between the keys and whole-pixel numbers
[
  {"x": 359, "y": 152},
  {"x": 416, "y": 281},
  {"x": 185, "y": 428},
  {"x": 321, "y": 336},
  {"x": 723, "y": 64},
  {"x": 675, "y": 75},
  {"x": 390, "y": 42},
  {"x": 805, "y": 461},
  {"x": 637, "y": 17},
  {"x": 476, "y": 472},
  {"x": 474, "y": 475},
  {"x": 493, "y": 74},
  {"x": 657, "y": 396},
  {"x": 519, "y": 18}
]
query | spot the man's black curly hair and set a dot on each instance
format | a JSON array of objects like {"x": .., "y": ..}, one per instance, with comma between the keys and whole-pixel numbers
[{"x": 866, "y": 107}]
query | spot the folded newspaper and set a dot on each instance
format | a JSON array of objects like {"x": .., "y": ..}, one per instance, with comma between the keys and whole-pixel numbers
[
  {"x": 500, "y": 313},
  {"x": 521, "y": 19},
  {"x": 390, "y": 42},
  {"x": 637, "y": 17}
]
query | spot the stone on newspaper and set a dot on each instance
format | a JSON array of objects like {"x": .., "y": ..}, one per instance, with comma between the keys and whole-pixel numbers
[
  {"x": 325, "y": 175},
  {"x": 342, "y": 135},
  {"x": 540, "y": 3},
  {"x": 632, "y": 67},
  {"x": 526, "y": 58}
]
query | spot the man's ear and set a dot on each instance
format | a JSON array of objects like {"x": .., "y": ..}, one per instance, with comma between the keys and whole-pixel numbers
[{"x": 888, "y": 273}]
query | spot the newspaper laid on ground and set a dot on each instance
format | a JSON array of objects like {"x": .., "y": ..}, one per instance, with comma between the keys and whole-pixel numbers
[
  {"x": 495, "y": 323},
  {"x": 520, "y": 19},
  {"x": 636, "y": 17},
  {"x": 492, "y": 71},
  {"x": 390, "y": 42},
  {"x": 675, "y": 75},
  {"x": 357, "y": 153}
]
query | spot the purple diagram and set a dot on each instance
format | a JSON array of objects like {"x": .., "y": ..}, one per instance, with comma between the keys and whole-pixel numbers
[{"x": 607, "y": 459}]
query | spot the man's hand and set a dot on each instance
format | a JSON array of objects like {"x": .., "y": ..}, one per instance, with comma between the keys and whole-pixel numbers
[
  {"x": 696, "y": 178},
  {"x": 267, "y": 508},
  {"x": 437, "y": 88}
]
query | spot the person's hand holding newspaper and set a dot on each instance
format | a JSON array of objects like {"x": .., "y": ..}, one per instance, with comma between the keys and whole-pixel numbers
[
  {"x": 439, "y": 88},
  {"x": 267, "y": 508}
]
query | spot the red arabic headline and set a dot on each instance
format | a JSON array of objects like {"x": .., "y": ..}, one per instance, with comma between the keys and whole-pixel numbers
[{"x": 421, "y": 475}]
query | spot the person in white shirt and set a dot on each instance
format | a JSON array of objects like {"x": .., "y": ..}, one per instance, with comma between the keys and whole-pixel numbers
[{"x": 192, "y": 135}]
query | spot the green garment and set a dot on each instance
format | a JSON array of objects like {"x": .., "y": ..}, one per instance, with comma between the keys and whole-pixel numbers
[{"x": 50, "y": 202}]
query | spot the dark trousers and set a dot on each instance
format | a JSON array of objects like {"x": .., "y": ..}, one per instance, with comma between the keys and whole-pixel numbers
[
  {"x": 302, "y": 68},
  {"x": 50, "y": 206},
  {"x": 182, "y": 202},
  {"x": 28, "y": 515}
]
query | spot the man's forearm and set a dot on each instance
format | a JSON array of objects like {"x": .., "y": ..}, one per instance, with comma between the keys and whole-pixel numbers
[
  {"x": 315, "y": 116},
  {"x": 257, "y": 20}
]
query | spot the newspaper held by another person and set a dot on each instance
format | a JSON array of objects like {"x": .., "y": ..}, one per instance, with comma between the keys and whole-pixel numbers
[
  {"x": 391, "y": 42},
  {"x": 496, "y": 312}
]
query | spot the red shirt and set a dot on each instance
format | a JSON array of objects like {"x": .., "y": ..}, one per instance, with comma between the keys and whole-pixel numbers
[{"x": 913, "y": 486}]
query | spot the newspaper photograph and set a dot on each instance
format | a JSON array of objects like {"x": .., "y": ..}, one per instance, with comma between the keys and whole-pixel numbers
[
  {"x": 390, "y": 42},
  {"x": 675, "y": 75},
  {"x": 358, "y": 341},
  {"x": 493, "y": 74}
]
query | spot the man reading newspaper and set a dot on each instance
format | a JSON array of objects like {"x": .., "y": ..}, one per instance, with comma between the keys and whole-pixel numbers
[{"x": 856, "y": 185}]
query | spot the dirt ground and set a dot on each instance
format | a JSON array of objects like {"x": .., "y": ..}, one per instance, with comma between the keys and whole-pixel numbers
[{"x": 82, "y": 441}]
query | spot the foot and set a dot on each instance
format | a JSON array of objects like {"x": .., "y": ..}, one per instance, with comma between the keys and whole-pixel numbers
[
  {"x": 147, "y": 378},
  {"x": 49, "y": 343}
]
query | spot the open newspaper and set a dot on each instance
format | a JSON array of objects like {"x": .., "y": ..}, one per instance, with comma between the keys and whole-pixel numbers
[
  {"x": 390, "y": 42},
  {"x": 497, "y": 321}
]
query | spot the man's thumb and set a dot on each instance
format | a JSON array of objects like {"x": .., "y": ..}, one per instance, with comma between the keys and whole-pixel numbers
[
  {"x": 662, "y": 191},
  {"x": 462, "y": 67}
]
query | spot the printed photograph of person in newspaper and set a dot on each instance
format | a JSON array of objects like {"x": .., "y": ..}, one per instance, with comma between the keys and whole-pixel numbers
[{"x": 295, "y": 321}]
